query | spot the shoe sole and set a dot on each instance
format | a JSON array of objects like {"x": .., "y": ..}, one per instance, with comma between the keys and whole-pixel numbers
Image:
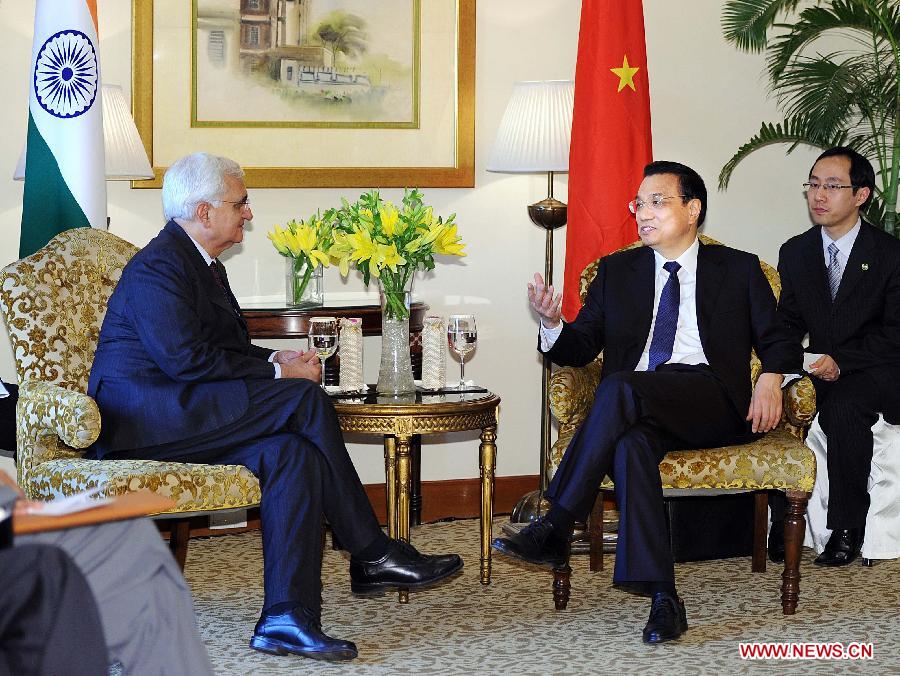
[
  {"x": 503, "y": 549},
  {"x": 272, "y": 647},
  {"x": 650, "y": 640},
  {"x": 379, "y": 588}
]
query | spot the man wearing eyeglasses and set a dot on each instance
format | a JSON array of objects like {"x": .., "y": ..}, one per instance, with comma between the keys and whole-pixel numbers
[
  {"x": 676, "y": 321},
  {"x": 840, "y": 284},
  {"x": 176, "y": 378}
]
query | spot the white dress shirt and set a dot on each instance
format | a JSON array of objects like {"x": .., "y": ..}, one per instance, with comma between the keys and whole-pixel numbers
[
  {"x": 687, "y": 348},
  {"x": 844, "y": 245},
  {"x": 209, "y": 259}
]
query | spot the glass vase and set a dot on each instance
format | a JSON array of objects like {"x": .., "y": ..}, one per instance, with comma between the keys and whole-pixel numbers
[
  {"x": 303, "y": 283},
  {"x": 395, "y": 373}
]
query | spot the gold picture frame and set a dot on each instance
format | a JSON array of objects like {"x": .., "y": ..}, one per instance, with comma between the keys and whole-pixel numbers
[{"x": 459, "y": 172}]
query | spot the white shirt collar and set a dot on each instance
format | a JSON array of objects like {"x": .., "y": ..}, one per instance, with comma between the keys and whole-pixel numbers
[
  {"x": 845, "y": 243},
  {"x": 687, "y": 260},
  {"x": 203, "y": 252}
]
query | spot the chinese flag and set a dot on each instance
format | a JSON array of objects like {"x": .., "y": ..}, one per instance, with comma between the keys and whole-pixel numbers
[{"x": 610, "y": 136}]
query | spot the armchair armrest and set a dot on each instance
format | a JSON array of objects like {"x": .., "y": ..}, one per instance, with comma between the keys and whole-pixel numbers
[
  {"x": 572, "y": 393},
  {"x": 800, "y": 402},
  {"x": 47, "y": 414}
]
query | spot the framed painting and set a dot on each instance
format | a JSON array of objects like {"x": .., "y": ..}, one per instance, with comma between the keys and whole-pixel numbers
[{"x": 310, "y": 93}]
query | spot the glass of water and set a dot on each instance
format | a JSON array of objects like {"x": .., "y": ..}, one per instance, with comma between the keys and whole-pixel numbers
[
  {"x": 323, "y": 337},
  {"x": 462, "y": 336}
]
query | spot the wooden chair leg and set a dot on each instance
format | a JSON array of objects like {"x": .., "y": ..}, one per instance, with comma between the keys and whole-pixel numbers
[
  {"x": 562, "y": 586},
  {"x": 179, "y": 537},
  {"x": 760, "y": 521},
  {"x": 595, "y": 533},
  {"x": 794, "y": 529}
]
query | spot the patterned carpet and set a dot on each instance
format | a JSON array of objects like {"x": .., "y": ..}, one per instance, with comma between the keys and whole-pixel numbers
[{"x": 510, "y": 627}]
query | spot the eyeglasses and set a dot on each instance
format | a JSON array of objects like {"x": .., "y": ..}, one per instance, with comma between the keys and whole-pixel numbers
[
  {"x": 240, "y": 205},
  {"x": 655, "y": 203},
  {"x": 813, "y": 186}
]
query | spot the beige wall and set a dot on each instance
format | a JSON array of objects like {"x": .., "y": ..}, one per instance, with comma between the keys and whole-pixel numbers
[{"x": 706, "y": 100}]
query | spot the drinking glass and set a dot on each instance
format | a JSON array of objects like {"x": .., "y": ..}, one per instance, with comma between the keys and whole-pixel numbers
[
  {"x": 323, "y": 336},
  {"x": 461, "y": 336}
]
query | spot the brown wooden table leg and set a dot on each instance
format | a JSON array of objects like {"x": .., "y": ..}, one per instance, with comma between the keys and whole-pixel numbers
[
  {"x": 403, "y": 482},
  {"x": 487, "y": 452}
]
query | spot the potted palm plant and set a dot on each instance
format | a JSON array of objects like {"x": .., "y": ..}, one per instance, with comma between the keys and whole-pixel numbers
[{"x": 830, "y": 95}]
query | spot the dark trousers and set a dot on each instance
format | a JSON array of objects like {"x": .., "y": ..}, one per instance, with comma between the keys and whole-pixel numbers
[
  {"x": 8, "y": 418},
  {"x": 290, "y": 439},
  {"x": 49, "y": 623},
  {"x": 637, "y": 417}
]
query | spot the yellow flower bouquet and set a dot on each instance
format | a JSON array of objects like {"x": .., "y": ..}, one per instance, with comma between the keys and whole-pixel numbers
[
  {"x": 306, "y": 245},
  {"x": 390, "y": 243}
]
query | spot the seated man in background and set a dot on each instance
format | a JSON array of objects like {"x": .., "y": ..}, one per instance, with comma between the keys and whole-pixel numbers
[
  {"x": 144, "y": 604},
  {"x": 840, "y": 285},
  {"x": 176, "y": 378},
  {"x": 676, "y": 321}
]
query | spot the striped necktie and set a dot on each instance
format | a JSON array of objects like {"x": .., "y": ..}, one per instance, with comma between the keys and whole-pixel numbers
[
  {"x": 834, "y": 269},
  {"x": 663, "y": 341}
]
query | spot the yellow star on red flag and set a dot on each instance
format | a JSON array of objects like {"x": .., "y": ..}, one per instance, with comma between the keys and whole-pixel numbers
[{"x": 625, "y": 74}]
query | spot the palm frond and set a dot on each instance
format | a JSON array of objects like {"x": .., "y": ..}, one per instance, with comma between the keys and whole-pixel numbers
[
  {"x": 746, "y": 22},
  {"x": 792, "y": 131}
]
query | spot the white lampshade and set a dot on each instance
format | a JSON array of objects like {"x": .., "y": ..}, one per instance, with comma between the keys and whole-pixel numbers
[
  {"x": 536, "y": 129},
  {"x": 126, "y": 159}
]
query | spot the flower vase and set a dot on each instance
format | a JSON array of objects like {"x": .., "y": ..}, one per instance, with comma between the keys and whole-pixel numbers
[
  {"x": 303, "y": 283},
  {"x": 395, "y": 373}
]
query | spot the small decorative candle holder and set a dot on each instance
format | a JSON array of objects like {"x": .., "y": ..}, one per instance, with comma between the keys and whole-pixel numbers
[
  {"x": 351, "y": 351},
  {"x": 434, "y": 357}
]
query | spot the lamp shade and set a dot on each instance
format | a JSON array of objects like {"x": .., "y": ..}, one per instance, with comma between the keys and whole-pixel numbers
[
  {"x": 536, "y": 128},
  {"x": 126, "y": 159}
]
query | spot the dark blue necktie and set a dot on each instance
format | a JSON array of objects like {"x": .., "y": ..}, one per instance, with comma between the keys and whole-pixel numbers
[{"x": 666, "y": 319}]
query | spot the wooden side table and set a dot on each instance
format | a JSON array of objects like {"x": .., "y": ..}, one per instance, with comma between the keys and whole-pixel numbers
[
  {"x": 398, "y": 419},
  {"x": 278, "y": 320}
]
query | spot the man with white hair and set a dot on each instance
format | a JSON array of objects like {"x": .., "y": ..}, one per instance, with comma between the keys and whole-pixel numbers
[{"x": 176, "y": 378}]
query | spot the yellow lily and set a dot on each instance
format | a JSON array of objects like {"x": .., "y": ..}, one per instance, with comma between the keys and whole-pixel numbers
[
  {"x": 448, "y": 242},
  {"x": 277, "y": 237},
  {"x": 386, "y": 255},
  {"x": 362, "y": 244},
  {"x": 389, "y": 218},
  {"x": 341, "y": 252}
]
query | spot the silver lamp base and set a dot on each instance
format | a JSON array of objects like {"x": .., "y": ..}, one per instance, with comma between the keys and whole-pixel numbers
[{"x": 529, "y": 507}]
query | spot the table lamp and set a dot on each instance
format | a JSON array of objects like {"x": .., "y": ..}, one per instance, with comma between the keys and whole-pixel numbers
[
  {"x": 126, "y": 159},
  {"x": 534, "y": 137}
]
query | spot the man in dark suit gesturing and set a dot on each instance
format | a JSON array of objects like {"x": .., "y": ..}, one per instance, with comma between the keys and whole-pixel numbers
[
  {"x": 840, "y": 284},
  {"x": 676, "y": 321},
  {"x": 176, "y": 378}
]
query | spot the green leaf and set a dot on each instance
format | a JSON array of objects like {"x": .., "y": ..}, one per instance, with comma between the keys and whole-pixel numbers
[{"x": 746, "y": 22}]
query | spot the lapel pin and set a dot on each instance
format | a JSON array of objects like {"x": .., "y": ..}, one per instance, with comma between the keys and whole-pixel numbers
[{"x": 865, "y": 266}]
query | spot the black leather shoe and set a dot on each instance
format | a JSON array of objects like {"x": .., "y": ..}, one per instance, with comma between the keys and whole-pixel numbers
[
  {"x": 668, "y": 619},
  {"x": 402, "y": 566},
  {"x": 843, "y": 547},
  {"x": 299, "y": 632},
  {"x": 536, "y": 543},
  {"x": 776, "y": 542}
]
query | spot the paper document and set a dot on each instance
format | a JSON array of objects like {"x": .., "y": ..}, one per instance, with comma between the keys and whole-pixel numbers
[
  {"x": 71, "y": 504},
  {"x": 809, "y": 358}
]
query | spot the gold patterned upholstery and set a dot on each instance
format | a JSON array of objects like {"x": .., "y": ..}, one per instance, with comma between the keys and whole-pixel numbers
[
  {"x": 54, "y": 302},
  {"x": 779, "y": 460}
]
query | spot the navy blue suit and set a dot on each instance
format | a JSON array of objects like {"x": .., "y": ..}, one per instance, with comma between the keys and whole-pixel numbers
[
  {"x": 176, "y": 378},
  {"x": 637, "y": 417}
]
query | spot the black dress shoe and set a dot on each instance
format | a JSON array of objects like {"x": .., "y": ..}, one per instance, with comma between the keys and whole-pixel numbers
[
  {"x": 668, "y": 619},
  {"x": 402, "y": 566},
  {"x": 843, "y": 547},
  {"x": 776, "y": 542},
  {"x": 537, "y": 543},
  {"x": 299, "y": 632}
]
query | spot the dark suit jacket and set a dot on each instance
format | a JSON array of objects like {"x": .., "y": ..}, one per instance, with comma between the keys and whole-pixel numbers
[
  {"x": 173, "y": 353},
  {"x": 860, "y": 329},
  {"x": 735, "y": 311}
]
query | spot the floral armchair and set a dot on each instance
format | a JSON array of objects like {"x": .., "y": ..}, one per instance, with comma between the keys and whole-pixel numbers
[
  {"x": 53, "y": 303},
  {"x": 779, "y": 460}
]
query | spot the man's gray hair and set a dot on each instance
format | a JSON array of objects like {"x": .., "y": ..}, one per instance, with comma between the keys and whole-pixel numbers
[{"x": 194, "y": 179}]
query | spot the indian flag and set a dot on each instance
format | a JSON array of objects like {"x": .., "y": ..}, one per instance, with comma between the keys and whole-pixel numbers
[{"x": 65, "y": 182}]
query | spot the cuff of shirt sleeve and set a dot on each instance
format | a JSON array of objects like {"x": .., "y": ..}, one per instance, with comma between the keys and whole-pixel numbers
[
  {"x": 548, "y": 336},
  {"x": 277, "y": 370}
]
